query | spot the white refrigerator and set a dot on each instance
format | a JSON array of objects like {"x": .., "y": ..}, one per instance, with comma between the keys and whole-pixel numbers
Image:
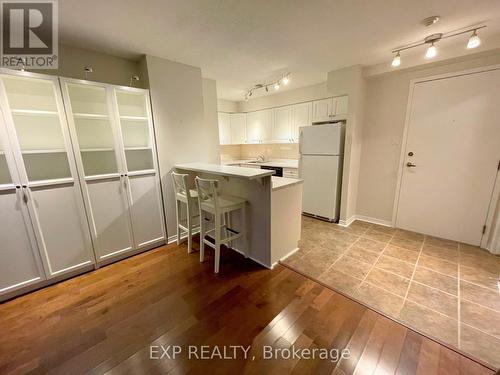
[{"x": 320, "y": 166}]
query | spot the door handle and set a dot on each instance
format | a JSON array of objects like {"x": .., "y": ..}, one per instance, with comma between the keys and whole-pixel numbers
[{"x": 410, "y": 165}]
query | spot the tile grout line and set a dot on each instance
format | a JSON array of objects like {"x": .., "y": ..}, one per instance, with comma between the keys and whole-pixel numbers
[
  {"x": 376, "y": 261},
  {"x": 414, "y": 270},
  {"x": 343, "y": 253}
]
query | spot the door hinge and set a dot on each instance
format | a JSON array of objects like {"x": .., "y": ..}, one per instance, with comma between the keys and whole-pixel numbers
[{"x": 484, "y": 229}]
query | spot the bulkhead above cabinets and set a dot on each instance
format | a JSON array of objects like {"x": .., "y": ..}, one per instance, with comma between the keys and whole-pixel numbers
[{"x": 280, "y": 124}]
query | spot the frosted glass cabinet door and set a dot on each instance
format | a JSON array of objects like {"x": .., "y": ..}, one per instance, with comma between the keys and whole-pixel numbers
[
  {"x": 20, "y": 264},
  {"x": 98, "y": 152},
  {"x": 141, "y": 174},
  {"x": 36, "y": 127}
]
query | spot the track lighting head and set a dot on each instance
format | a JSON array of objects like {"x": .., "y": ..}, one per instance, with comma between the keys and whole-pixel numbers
[
  {"x": 277, "y": 85},
  {"x": 474, "y": 41},
  {"x": 396, "y": 61},
  {"x": 267, "y": 88},
  {"x": 431, "y": 51},
  {"x": 285, "y": 80}
]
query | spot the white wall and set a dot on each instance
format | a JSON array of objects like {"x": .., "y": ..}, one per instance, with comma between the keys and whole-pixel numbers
[
  {"x": 349, "y": 81},
  {"x": 107, "y": 68},
  {"x": 386, "y": 102},
  {"x": 227, "y": 106},
  {"x": 183, "y": 133},
  {"x": 302, "y": 94}
]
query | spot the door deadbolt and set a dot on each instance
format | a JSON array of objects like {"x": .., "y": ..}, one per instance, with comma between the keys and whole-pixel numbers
[{"x": 410, "y": 153}]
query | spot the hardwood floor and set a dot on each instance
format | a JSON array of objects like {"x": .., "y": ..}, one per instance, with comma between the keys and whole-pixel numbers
[{"x": 107, "y": 320}]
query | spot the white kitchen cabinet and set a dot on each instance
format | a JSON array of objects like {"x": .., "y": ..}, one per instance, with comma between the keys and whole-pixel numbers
[
  {"x": 322, "y": 110},
  {"x": 259, "y": 126},
  {"x": 330, "y": 109},
  {"x": 111, "y": 128},
  {"x": 291, "y": 172},
  {"x": 238, "y": 128},
  {"x": 48, "y": 195},
  {"x": 282, "y": 125},
  {"x": 224, "y": 128},
  {"x": 301, "y": 116}
]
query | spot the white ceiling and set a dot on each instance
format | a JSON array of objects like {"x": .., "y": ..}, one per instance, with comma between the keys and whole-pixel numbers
[{"x": 241, "y": 43}]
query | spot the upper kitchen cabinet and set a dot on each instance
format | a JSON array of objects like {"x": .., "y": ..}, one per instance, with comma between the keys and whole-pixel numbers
[
  {"x": 301, "y": 116},
  {"x": 330, "y": 109},
  {"x": 259, "y": 126},
  {"x": 238, "y": 128},
  {"x": 282, "y": 125},
  {"x": 224, "y": 128}
]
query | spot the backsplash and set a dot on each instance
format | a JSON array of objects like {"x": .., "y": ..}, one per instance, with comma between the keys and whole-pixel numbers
[{"x": 270, "y": 151}]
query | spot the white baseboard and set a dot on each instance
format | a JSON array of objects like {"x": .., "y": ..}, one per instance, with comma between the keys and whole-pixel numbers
[
  {"x": 372, "y": 220},
  {"x": 290, "y": 254},
  {"x": 367, "y": 219},
  {"x": 346, "y": 223},
  {"x": 172, "y": 239}
]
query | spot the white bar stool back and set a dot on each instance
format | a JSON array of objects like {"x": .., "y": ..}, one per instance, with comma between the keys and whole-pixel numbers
[
  {"x": 220, "y": 206},
  {"x": 183, "y": 195}
]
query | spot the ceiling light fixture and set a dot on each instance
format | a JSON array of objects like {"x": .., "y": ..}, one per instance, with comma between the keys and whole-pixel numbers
[
  {"x": 431, "y": 40},
  {"x": 431, "y": 51},
  {"x": 284, "y": 79},
  {"x": 474, "y": 40},
  {"x": 396, "y": 61}
]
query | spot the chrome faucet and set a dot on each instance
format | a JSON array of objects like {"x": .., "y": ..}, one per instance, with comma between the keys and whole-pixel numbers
[{"x": 261, "y": 157}]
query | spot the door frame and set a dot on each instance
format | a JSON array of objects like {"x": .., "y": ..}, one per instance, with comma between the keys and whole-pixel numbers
[{"x": 402, "y": 157}]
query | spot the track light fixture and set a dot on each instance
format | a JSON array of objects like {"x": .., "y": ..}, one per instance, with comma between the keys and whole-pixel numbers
[
  {"x": 284, "y": 79},
  {"x": 431, "y": 51},
  {"x": 474, "y": 40},
  {"x": 431, "y": 40}
]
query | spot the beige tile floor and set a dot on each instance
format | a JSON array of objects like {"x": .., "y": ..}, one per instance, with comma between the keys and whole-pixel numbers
[{"x": 444, "y": 289}]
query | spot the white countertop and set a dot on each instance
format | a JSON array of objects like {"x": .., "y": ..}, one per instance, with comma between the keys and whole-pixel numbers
[
  {"x": 282, "y": 182},
  {"x": 226, "y": 170},
  {"x": 282, "y": 163}
]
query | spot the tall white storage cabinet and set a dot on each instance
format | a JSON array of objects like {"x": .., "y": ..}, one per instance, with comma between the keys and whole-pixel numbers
[
  {"x": 112, "y": 133},
  {"x": 44, "y": 231}
]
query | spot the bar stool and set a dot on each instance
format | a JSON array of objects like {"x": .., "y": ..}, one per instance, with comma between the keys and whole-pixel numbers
[
  {"x": 187, "y": 197},
  {"x": 217, "y": 205}
]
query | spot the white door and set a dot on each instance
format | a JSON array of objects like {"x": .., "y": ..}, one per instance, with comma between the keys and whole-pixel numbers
[
  {"x": 98, "y": 155},
  {"x": 451, "y": 156},
  {"x": 320, "y": 174},
  {"x": 282, "y": 124},
  {"x": 322, "y": 110},
  {"x": 38, "y": 134},
  {"x": 224, "y": 128},
  {"x": 20, "y": 263},
  {"x": 301, "y": 116},
  {"x": 140, "y": 167},
  {"x": 238, "y": 128}
]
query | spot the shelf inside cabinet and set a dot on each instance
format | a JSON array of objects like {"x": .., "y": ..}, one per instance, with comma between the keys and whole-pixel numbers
[
  {"x": 42, "y": 151},
  {"x": 134, "y": 118},
  {"x": 89, "y": 116},
  {"x": 99, "y": 149},
  {"x": 33, "y": 112}
]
